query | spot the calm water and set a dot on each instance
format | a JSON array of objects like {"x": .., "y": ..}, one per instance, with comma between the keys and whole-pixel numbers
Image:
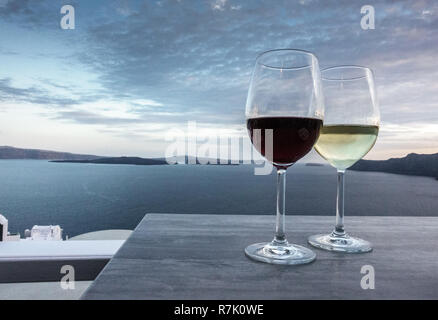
[{"x": 87, "y": 197}]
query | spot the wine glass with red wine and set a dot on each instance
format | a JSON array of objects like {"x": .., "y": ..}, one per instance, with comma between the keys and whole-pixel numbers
[{"x": 284, "y": 114}]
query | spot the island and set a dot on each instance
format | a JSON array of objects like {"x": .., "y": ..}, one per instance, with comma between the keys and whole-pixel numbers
[
  {"x": 151, "y": 161},
  {"x": 412, "y": 164},
  {"x": 314, "y": 164},
  {"x": 119, "y": 160}
]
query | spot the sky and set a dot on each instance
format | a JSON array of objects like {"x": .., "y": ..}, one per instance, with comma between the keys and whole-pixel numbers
[{"x": 131, "y": 71}]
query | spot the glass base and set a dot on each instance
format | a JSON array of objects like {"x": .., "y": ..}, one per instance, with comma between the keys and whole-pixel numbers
[
  {"x": 286, "y": 253},
  {"x": 345, "y": 243}
]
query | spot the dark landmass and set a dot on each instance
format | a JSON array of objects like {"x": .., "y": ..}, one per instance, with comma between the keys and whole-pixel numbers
[
  {"x": 412, "y": 164},
  {"x": 311, "y": 164},
  {"x": 208, "y": 161},
  {"x": 120, "y": 160},
  {"x": 141, "y": 161},
  {"x": 7, "y": 152}
]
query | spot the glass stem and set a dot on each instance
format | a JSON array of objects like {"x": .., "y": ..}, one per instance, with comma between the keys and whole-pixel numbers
[
  {"x": 280, "y": 237},
  {"x": 339, "y": 227}
]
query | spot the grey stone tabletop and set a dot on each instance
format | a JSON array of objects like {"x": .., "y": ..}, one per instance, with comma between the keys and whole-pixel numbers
[{"x": 201, "y": 256}]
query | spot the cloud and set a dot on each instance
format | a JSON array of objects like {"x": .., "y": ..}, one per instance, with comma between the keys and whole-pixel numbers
[
  {"x": 146, "y": 103},
  {"x": 14, "y": 7},
  {"x": 173, "y": 61},
  {"x": 35, "y": 95},
  {"x": 89, "y": 117},
  {"x": 29, "y": 13},
  {"x": 200, "y": 60},
  {"x": 219, "y": 5}
]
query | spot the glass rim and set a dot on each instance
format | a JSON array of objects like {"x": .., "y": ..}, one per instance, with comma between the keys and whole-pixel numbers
[
  {"x": 351, "y": 66},
  {"x": 300, "y": 51}
]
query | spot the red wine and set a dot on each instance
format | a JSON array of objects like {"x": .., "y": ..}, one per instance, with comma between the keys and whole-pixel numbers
[{"x": 292, "y": 138}]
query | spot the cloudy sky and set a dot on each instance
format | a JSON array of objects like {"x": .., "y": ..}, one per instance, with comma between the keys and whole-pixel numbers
[{"x": 131, "y": 71}]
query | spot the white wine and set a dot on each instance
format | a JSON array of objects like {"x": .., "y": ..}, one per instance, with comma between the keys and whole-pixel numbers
[{"x": 343, "y": 145}]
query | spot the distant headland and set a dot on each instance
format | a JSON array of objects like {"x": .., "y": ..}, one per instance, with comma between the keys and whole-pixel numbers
[
  {"x": 412, "y": 164},
  {"x": 7, "y": 152}
]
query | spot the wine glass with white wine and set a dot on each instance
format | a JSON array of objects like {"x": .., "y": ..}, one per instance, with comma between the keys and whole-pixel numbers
[{"x": 350, "y": 130}]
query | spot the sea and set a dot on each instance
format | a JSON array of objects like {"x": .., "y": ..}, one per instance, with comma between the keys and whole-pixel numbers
[{"x": 90, "y": 197}]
